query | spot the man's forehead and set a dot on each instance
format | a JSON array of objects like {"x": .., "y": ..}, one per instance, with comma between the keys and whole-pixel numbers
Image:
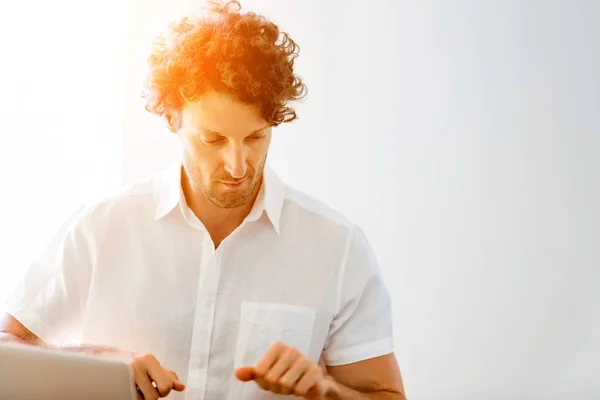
[{"x": 218, "y": 114}]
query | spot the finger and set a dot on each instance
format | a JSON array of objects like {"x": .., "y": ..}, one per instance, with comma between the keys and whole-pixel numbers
[
  {"x": 177, "y": 384},
  {"x": 264, "y": 365},
  {"x": 262, "y": 383},
  {"x": 285, "y": 390},
  {"x": 142, "y": 380},
  {"x": 289, "y": 380},
  {"x": 310, "y": 379},
  {"x": 163, "y": 390},
  {"x": 269, "y": 358},
  {"x": 162, "y": 379},
  {"x": 245, "y": 374},
  {"x": 286, "y": 358},
  {"x": 173, "y": 374}
]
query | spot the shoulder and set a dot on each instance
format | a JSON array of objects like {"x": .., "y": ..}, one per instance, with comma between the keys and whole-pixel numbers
[
  {"x": 307, "y": 211},
  {"x": 320, "y": 224},
  {"x": 322, "y": 227},
  {"x": 137, "y": 198}
]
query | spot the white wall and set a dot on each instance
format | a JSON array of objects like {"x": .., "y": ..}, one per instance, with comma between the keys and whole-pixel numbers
[
  {"x": 59, "y": 76},
  {"x": 463, "y": 137}
]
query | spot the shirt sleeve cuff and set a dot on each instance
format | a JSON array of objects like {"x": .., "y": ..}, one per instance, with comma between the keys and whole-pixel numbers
[{"x": 362, "y": 352}]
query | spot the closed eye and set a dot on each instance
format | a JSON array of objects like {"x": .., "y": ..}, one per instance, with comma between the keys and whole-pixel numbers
[{"x": 213, "y": 141}]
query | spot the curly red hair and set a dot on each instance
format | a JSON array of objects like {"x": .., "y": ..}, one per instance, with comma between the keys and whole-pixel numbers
[{"x": 242, "y": 54}]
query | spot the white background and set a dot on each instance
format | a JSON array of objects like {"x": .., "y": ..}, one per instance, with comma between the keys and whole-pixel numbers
[
  {"x": 61, "y": 101},
  {"x": 463, "y": 137}
]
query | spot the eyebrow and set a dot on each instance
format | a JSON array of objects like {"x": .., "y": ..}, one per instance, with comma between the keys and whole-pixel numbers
[{"x": 211, "y": 132}]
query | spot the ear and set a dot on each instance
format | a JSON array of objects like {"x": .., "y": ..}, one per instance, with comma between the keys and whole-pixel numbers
[{"x": 173, "y": 122}]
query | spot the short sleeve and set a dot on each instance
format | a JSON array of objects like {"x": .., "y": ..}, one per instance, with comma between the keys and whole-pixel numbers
[
  {"x": 50, "y": 298},
  {"x": 362, "y": 327}
]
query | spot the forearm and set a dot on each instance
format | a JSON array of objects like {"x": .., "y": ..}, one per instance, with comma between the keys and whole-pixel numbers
[
  {"x": 6, "y": 337},
  {"x": 346, "y": 393}
]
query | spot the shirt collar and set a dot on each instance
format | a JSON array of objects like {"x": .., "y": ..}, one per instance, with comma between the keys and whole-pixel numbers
[{"x": 270, "y": 196}]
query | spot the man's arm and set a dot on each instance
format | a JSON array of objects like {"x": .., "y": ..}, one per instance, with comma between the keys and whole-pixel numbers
[
  {"x": 151, "y": 379},
  {"x": 12, "y": 331},
  {"x": 376, "y": 378},
  {"x": 284, "y": 370}
]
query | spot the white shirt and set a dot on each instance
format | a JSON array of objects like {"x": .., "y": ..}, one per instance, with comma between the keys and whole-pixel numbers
[{"x": 138, "y": 271}]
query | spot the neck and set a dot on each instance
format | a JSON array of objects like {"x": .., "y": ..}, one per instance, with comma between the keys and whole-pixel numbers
[{"x": 219, "y": 222}]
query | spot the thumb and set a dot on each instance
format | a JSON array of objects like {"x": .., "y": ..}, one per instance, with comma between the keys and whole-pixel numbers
[
  {"x": 178, "y": 385},
  {"x": 245, "y": 374}
]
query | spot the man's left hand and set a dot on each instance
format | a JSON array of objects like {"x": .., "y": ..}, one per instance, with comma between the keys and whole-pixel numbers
[{"x": 284, "y": 370}]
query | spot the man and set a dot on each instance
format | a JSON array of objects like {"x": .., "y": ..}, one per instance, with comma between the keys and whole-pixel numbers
[{"x": 215, "y": 271}]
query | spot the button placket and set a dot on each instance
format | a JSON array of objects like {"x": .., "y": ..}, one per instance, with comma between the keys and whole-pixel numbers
[{"x": 204, "y": 320}]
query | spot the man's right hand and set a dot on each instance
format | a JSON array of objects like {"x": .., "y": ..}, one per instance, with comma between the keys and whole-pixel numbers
[{"x": 152, "y": 380}]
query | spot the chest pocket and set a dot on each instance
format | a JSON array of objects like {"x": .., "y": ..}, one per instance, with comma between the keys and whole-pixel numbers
[{"x": 261, "y": 325}]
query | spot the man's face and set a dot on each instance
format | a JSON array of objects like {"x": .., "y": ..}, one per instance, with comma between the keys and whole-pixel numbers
[{"x": 225, "y": 145}]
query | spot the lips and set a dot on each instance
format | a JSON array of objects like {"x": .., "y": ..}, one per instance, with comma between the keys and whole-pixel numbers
[{"x": 234, "y": 184}]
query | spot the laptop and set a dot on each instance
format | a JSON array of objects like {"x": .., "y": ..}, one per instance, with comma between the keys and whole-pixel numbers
[{"x": 28, "y": 372}]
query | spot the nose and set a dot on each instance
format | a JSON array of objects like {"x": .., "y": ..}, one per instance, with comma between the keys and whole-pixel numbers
[{"x": 235, "y": 161}]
